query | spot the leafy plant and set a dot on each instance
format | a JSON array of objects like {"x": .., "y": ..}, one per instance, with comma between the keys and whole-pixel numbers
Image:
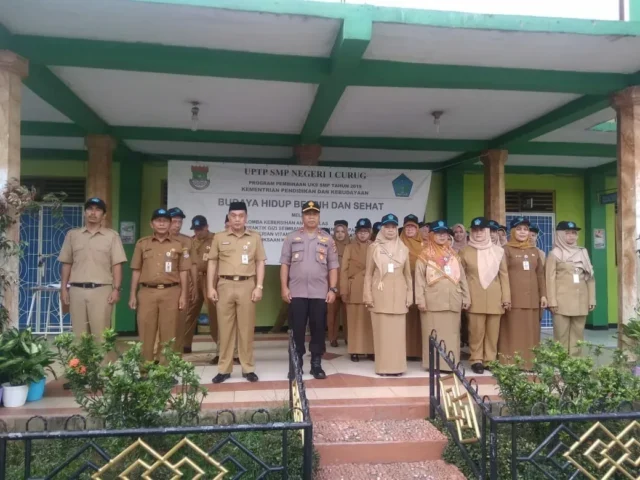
[
  {"x": 128, "y": 392},
  {"x": 24, "y": 357}
]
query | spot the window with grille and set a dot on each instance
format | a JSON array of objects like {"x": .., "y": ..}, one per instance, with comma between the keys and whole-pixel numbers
[
  {"x": 164, "y": 193},
  {"x": 73, "y": 188},
  {"x": 529, "y": 201}
]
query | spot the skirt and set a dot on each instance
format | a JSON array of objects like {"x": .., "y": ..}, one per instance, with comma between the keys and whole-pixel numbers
[
  {"x": 389, "y": 342},
  {"x": 360, "y": 331},
  {"x": 447, "y": 326},
  {"x": 414, "y": 333},
  {"x": 519, "y": 332}
]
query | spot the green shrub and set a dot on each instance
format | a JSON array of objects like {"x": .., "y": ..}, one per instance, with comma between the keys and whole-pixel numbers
[{"x": 24, "y": 357}]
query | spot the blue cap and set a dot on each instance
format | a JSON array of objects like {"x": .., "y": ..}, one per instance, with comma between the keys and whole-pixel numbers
[
  {"x": 568, "y": 225},
  {"x": 376, "y": 227},
  {"x": 389, "y": 218},
  {"x": 493, "y": 225},
  {"x": 411, "y": 218},
  {"x": 160, "y": 213},
  {"x": 439, "y": 226},
  {"x": 363, "y": 223},
  {"x": 176, "y": 212},
  {"x": 98, "y": 202},
  {"x": 519, "y": 221},
  {"x": 199, "y": 221},
  {"x": 479, "y": 222}
]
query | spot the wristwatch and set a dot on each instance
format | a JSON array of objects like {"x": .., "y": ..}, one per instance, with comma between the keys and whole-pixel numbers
[{"x": 333, "y": 289}]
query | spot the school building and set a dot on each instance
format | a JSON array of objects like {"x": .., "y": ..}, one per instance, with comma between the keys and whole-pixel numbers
[{"x": 513, "y": 114}]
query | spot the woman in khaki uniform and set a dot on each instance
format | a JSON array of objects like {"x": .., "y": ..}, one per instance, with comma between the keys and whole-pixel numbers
[
  {"x": 520, "y": 326},
  {"x": 412, "y": 239},
  {"x": 488, "y": 280},
  {"x": 352, "y": 270},
  {"x": 571, "y": 287},
  {"x": 337, "y": 310},
  {"x": 388, "y": 294},
  {"x": 441, "y": 291}
]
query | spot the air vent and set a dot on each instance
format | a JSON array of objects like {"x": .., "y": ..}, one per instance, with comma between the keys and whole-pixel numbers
[
  {"x": 529, "y": 201},
  {"x": 164, "y": 193},
  {"x": 73, "y": 188}
]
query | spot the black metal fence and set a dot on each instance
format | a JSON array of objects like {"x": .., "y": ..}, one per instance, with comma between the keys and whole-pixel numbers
[
  {"x": 236, "y": 448},
  {"x": 496, "y": 445}
]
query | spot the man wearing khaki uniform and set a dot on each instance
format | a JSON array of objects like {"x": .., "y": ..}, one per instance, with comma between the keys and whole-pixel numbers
[
  {"x": 92, "y": 258},
  {"x": 237, "y": 256},
  {"x": 160, "y": 268}
]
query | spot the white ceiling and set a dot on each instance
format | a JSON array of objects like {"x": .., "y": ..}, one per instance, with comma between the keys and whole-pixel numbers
[
  {"x": 579, "y": 132},
  {"x": 181, "y": 25},
  {"x": 161, "y": 100},
  {"x": 405, "y": 112},
  {"x": 65, "y": 143},
  {"x": 490, "y": 48},
  {"x": 556, "y": 161},
  {"x": 33, "y": 108},
  {"x": 209, "y": 149},
  {"x": 335, "y": 154}
]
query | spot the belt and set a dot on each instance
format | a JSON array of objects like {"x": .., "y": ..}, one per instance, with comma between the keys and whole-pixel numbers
[
  {"x": 160, "y": 286},
  {"x": 235, "y": 278},
  {"x": 89, "y": 285}
]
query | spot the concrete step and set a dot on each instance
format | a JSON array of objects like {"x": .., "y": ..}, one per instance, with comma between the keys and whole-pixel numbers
[
  {"x": 380, "y": 441},
  {"x": 409, "y": 408},
  {"x": 431, "y": 470}
]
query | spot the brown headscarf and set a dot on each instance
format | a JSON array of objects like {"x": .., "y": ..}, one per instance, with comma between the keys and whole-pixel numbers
[
  {"x": 414, "y": 245},
  {"x": 388, "y": 250},
  {"x": 489, "y": 258},
  {"x": 457, "y": 246},
  {"x": 572, "y": 254},
  {"x": 513, "y": 242},
  {"x": 437, "y": 256},
  {"x": 341, "y": 245}
]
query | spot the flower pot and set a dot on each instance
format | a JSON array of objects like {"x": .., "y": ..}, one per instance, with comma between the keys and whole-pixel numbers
[
  {"x": 36, "y": 390},
  {"x": 14, "y": 396}
]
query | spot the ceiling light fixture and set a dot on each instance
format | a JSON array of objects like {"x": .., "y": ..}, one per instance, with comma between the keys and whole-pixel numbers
[
  {"x": 195, "y": 110},
  {"x": 436, "y": 114}
]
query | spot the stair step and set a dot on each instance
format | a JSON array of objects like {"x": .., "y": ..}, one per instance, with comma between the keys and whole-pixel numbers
[
  {"x": 381, "y": 441},
  {"x": 432, "y": 470},
  {"x": 370, "y": 409}
]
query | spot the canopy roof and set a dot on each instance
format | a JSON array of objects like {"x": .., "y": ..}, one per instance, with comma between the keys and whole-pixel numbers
[{"x": 360, "y": 80}]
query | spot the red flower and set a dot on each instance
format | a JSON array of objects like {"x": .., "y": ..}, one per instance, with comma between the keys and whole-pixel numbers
[
  {"x": 82, "y": 370},
  {"x": 74, "y": 362}
]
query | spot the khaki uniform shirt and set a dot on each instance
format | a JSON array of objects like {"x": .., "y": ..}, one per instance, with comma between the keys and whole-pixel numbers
[
  {"x": 352, "y": 267},
  {"x": 572, "y": 299},
  {"x": 310, "y": 257},
  {"x": 228, "y": 249},
  {"x": 543, "y": 256},
  {"x": 443, "y": 295},
  {"x": 527, "y": 286},
  {"x": 201, "y": 250},
  {"x": 92, "y": 256},
  {"x": 489, "y": 301},
  {"x": 397, "y": 287},
  {"x": 159, "y": 262}
]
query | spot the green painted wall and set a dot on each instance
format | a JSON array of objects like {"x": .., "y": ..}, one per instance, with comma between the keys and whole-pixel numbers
[
  {"x": 435, "y": 201},
  {"x": 611, "y": 184}
]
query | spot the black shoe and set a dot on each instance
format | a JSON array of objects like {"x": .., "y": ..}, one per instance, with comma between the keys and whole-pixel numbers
[
  {"x": 67, "y": 386},
  {"x": 252, "y": 377},
  {"x": 355, "y": 358},
  {"x": 316, "y": 367},
  {"x": 186, "y": 350},
  {"x": 477, "y": 368},
  {"x": 214, "y": 360},
  {"x": 221, "y": 377},
  {"x": 334, "y": 343}
]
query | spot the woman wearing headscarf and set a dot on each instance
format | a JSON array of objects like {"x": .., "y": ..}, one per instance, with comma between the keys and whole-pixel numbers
[
  {"x": 410, "y": 236},
  {"x": 534, "y": 233},
  {"x": 459, "y": 237},
  {"x": 571, "y": 287},
  {"x": 488, "y": 279},
  {"x": 388, "y": 292},
  {"x": 337, "y": 310},
  {"x": 441, "y": 291},
  {"x": 520, "y": 326},
  {"x": 502, "y": 235},
  {"x": 374, "y": 232},
  {"x": 424, "y": 230},
  {"x": 493, "y": 232},
  {"x": 352, "y": 268}
]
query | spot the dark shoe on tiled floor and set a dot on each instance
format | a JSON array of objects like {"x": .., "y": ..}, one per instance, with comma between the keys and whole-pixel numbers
[
  {"x": 251, "y": 377},
  {"x": 221, "y": 377}
]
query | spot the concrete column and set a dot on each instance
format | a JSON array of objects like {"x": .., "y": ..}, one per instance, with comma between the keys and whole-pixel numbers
[
  {"x": 13, "y": 69},
  {"x": 308, "y": 155},
  {"x": 99, "y": 172},
  {"x": 627, "y": 105},
  {"x": 494, "y": 201}
]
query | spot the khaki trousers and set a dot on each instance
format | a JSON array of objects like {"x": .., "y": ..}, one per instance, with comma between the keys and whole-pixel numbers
[
  {"x": 194, "y": 313},
  {"x": 236, "y": 323},
  {"x": 335, "y": 311},
  {"x": 484, "y": 330},
  {"x": 89, "y": 310},
  {"x": 157, "y": 316},
  {"x": 568, "y": 331}
]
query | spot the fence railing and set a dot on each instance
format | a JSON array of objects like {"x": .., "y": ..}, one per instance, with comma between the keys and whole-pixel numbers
[
  {"x": 167, "y": 452},
  {"x": 497, "y": 445}
]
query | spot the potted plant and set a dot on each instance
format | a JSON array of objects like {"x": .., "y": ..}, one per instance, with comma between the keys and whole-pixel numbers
[{"x": 24, "y": 361}]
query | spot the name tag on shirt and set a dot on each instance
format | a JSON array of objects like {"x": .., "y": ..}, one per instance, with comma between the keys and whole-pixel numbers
[
  {"x": 447, "y": 269},
  {"x": 168, "y": 266},
  {"x": 576, "y": 278},
  {"x": 245, "y": 259},
  {"x": 525, "y": 265},
  {"x": 390, "y": 267}
]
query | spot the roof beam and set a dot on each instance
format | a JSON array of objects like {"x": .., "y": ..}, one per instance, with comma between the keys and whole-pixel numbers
[
  {"x": 348, "y": 50},
  {"x": 351, "y": 43}
]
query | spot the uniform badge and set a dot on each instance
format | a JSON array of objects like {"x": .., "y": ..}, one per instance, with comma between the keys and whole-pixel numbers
[
  {"x": 321, "y": 257},
  {"x": 185, "y": 255},
  {"x": 226, "y": 243},
  {"x": 168, "y": 254},
  {"x": 297, "y": 239},
  {"x": 245, "y": 247},
  {"x": 296, "y": 255}
]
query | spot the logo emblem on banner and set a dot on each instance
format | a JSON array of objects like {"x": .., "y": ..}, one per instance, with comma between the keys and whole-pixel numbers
[
  {"x": 402, "y": 186},
  {"x": 199, "y": 177}
]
